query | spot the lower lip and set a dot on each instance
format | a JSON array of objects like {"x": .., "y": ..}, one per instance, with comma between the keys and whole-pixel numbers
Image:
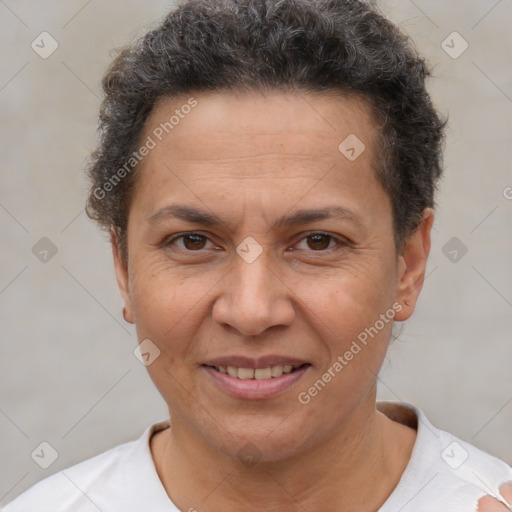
[{"x": 252, "y": 389}]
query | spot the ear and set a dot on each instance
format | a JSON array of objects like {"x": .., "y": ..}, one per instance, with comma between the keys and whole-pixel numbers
[
  {"x": 123, "y": 281},
  {"x": 412, "y": 263}
]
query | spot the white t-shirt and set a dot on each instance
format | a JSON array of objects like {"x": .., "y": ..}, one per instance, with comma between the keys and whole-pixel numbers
[{"x": 444, "y": 474}]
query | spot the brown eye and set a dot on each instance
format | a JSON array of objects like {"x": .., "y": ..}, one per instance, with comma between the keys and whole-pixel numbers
[
  {"x": 193, "y": 242},
  {"x": 319, "y": 241}
]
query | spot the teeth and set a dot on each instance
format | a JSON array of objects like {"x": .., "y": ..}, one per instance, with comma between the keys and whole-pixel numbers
[
  {"x": 245, "y": 373},
  {"x": 262, "y": 373},
  {"x": 277, "y": 371},
  {"x": 256, "y": 373}
]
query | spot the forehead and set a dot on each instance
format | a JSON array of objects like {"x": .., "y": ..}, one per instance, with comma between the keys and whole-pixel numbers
[
  {"x": 248, "y": 124},
  {"x": 210, "y": 144}
]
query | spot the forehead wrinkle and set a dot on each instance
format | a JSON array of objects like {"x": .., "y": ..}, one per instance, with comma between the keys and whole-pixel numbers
[
  {"x": 291, "y": 155},
  {"x": 196, "y": 170},
  {"x": 228, "y": 177}
]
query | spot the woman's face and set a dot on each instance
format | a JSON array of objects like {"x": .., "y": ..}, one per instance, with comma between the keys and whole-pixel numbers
[{"x": 255, "y": 241}]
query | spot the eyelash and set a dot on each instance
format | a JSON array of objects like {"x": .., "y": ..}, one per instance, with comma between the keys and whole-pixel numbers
[{"x": 339, "y": 242}]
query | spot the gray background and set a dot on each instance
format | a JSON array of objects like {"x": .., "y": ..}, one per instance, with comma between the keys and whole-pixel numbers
[{"x": 68, "y": 374}]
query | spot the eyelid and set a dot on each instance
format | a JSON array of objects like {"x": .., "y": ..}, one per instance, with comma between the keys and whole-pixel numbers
[
  {"x": 172, "y": 238},
  {"x": 339, "y": 240}
]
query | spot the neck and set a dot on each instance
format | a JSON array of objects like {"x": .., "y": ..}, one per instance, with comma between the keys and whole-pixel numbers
[{"x": 356, "y": 469}]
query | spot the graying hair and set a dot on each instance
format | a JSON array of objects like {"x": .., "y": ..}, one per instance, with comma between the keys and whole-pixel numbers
[{"x": 306, "y": 45}]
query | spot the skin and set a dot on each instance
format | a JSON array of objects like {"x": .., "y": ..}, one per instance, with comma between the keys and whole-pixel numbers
[
  {"x": 250, "y": 159},
  {"x": 491, "y": 504}
]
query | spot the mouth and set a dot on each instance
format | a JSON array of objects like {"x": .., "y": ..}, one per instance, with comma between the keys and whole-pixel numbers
[
  {"x": 270, "y": 372},
  {"x": 246, "y": 379}
]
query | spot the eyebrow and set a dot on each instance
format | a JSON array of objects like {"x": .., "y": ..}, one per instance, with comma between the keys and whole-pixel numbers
[{"x": 197, "y": 216}]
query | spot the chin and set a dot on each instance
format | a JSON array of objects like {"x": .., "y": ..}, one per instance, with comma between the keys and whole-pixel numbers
[{"x": 266, "y": 440}]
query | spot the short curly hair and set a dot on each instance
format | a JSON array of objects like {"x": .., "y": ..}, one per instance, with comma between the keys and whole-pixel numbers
[{"x": 304, "y": 45}]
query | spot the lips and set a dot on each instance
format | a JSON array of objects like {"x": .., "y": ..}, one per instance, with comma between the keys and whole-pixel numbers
[{"x": 250, "y": 378}]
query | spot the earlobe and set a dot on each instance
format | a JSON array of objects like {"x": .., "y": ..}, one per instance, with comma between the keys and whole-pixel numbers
[
  {"x": 413, "y": 263},
  {"x": 122, "y": 276}
]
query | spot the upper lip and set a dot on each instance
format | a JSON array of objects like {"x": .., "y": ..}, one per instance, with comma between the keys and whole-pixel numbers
[{"x": 251, "y": 362}]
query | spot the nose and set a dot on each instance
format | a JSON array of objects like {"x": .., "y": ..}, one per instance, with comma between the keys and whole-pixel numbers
[{"x": 253, "y": 298}]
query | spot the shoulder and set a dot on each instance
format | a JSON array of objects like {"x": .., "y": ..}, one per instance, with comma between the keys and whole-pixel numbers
[
  {"x": 95, "y": 483},
  {"x": 444, "y": 472},
  {"x": 473, "y": 472},
  {"x": 67, "y": 489}
]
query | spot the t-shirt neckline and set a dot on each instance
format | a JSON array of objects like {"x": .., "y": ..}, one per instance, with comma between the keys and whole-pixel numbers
[{"x": 401, "y": 412}]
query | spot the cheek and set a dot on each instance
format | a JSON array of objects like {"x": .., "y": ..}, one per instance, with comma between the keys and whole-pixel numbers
[
  {"x": 167, "y": 310},
  {"x": 353, "y": 317},
  {"x": 356, "y": 326},
  {"x": 163, "y": 302},
  {"x": 350, "y": 299}
]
